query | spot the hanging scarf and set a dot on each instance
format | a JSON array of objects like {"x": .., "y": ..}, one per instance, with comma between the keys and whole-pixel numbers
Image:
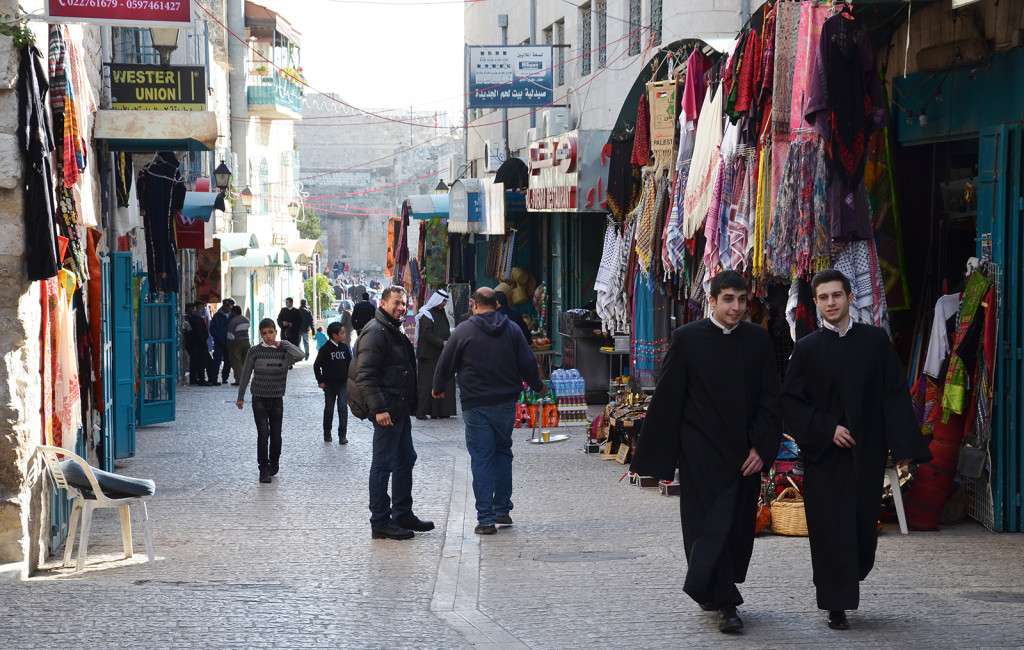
[
  {"x": 642, "y": 136},
  {"x": 704, "y": 165},
  {"x": 436, "y": 299},
  {"x": 954, "y": 396},
  {"x": 67, "y": 395}
]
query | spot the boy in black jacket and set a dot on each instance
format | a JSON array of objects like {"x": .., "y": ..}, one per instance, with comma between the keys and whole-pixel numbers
[{"x": 331, "y": 370}]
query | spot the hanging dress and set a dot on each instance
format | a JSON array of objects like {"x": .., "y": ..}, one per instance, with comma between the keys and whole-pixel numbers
[{"x": 704, "y": 165}]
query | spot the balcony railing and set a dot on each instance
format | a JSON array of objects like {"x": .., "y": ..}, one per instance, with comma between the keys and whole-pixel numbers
[{"x": 274, "y": 97}]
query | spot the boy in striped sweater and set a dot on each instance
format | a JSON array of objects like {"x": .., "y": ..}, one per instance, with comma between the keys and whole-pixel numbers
[{"x": 267, "y": 364}]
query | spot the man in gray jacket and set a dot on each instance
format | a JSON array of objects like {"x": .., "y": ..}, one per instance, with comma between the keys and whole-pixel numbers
[{"x": 491, "y": 358}]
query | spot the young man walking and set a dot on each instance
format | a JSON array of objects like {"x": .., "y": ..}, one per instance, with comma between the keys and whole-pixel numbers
[
  {"x": 331, "y": 371},
  {"x": 846, "y": 402},
  {"x": 492, "y": 360},
  {"x": 715, "y": 413},
  {"x": 289, "y": 319},
  {"x": 382, "y": 388},
  {"x": 267, "y": 364}
]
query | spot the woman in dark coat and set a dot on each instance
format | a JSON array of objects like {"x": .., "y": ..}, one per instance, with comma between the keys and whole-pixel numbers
[{"x": 432, "y": 330}]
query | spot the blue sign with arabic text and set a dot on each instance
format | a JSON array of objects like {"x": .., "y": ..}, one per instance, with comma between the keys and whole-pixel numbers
[{"x": 510, "y": 76}]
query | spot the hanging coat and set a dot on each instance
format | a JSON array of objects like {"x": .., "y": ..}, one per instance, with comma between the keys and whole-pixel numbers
[
  {"x": 716, "y": 397},
  {"x": 857, "y": 381}
]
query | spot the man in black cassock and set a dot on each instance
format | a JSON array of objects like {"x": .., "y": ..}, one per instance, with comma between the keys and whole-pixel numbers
[
  {"x": 846, "y": 403},
  {"x": 715, "y": 413}
]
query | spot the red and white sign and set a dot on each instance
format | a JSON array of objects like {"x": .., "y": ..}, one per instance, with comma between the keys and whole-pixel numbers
[
  {"x": 567, "y": 173},
  {"x": 190, "y": 232},
  {"x": 132, "y": 13}
]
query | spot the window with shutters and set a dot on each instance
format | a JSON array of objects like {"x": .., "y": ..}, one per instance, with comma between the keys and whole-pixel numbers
[
  {"x": 584, "y": 40},
  {"x": 655, "y": 22},
  {"x": 560, "y": 56},
  {"x": 602, "y": 33},
  {"x": 634, "y": 27}
]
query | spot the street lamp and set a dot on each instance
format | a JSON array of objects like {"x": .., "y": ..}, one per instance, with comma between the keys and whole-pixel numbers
[
  {"x": 293, "y": 209},
  {"x": 165, "y": 41},
  {"x": 222, "y": 177},
  {"x": 441, "y": 188},
  {"x": 246, "y": 196}
]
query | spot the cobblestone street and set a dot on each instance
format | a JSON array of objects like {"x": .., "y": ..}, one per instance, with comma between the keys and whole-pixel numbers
[{"x": 590, "y": 562}]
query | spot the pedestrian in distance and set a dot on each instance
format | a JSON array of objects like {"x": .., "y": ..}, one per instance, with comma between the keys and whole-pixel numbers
[
  {"x": 346, "y": 320},
  {"x": 238, "y": 342},
  {"x": 305, "y": 327},
  {"x": 513, "y": 315},
  {"x": 432, "y": 332},
  {"x": 320, "y": 337},
  {"x": 491, "y": 359},
  {"x": 267, "y": 364},
  {"x": 196, "y": 334},
  {"x": 331, "y": 370},
  {"x": 289, "y": 319},
  {"x": 382, "y": 388},
  {"x": 219, "y": 332},
  {"x": 846, "y": 403},
  {"x": 362, "y": 313},
  {"x": 715, "y": 413}
]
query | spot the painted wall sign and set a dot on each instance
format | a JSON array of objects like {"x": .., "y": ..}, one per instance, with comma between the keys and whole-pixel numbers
[
  {"x": 567, "y": 173},
  {"x": 132, "y": 13},
  {"x": 156, "y": 88},
  {"x": 510, "y": 76}
]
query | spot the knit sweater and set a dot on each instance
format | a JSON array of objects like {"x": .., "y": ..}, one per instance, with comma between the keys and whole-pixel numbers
[{"x": 268, "y": 368}]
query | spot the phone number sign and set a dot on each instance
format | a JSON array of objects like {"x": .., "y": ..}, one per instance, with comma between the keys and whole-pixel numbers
[{"x": 158, "y": 13}]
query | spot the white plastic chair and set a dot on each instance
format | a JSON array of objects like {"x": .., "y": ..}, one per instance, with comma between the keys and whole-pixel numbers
[{"x": 87, "y": 503}]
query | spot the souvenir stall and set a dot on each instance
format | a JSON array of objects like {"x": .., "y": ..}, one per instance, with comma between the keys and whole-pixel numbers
[{"x": 772, "y": 169}]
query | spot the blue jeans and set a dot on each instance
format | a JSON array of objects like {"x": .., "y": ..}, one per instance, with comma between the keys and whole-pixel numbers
[
  {"x": 305, "y": 343},
  {"x": 393, "y": 457},
  {"x": 489, "y": 442}
]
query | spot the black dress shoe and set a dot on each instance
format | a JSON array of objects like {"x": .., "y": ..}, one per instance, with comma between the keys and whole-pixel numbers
[
  {"x": 392, "y": 531},
  {"x": 504, "y": 520},
  {"x": 837, "y": 620},
  {"x": 274, "y": 469},
  {"x": 342, "y": 439},
  {"x": 264, "y": 476},
  {"x": 327, "y": 436},
  {"x": 482, "y": 529},
  {"x": 708, "y": 608},
  {"x": 416, "y": 524},
  {"x": 421, "y": 417},
  {"x": 729, "y": 620}
]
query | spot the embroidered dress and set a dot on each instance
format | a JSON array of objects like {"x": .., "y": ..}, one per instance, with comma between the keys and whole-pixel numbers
[
  {"x": 643, "y": 331},
  {"x": 66, "y": 394}
]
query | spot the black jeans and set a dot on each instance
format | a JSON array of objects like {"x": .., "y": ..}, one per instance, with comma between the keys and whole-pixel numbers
[
  {"x": 268, "y": 413},
  {"x": 200, "y": 364},
  {"x": 336, "y": 393}
]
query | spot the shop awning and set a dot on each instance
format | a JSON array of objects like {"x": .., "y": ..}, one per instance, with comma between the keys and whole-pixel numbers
[
  {"x": 304, "y": 249},
  {"x": 428, "y": 206},
  {"x": 261, "y": 257},
  {"x": 262, "y": 22},
  {"x": 237, "y": 241},
  {"x": 199, "y": 205},
  {"x": 143, "y": 131}
]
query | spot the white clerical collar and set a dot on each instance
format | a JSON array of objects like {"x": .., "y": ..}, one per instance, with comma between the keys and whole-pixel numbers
[
  {"x": 835, "y": 329},
  {"x": 725, "y": 330}
]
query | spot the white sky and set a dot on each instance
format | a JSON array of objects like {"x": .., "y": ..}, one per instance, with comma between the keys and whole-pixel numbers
[{"x": 382, "y": 53}]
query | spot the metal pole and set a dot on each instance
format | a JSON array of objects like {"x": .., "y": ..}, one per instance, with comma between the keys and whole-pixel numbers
[
  {"x": 503, "y": 23},
  {"x": 533, "y": 41}
]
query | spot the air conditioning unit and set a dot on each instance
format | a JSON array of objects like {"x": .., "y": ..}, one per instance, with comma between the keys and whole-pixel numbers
[
  {"x": 534, "y": 134},
  {"x": 556, "y": 121},
  {"x": 456, "y": 167},
  {"x": 494, "y": 155}
]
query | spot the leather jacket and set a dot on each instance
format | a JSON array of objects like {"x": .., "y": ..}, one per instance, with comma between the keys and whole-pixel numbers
[{"x": 382, "y": 376}]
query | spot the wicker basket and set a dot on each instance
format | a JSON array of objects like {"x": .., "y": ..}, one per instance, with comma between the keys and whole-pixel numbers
[{"x": 788, "y": 516}]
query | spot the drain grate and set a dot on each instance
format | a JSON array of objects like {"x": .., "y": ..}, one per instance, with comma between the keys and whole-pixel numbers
[{"x": 589, "y": 556}]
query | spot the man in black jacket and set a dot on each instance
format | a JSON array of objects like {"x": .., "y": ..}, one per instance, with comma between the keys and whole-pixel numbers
[
  {"x": 305, "y": 326},
  {"x": 362, "y": 313},
  {"x": 196, "y": 334},
  {"x": 492, "y": 360},
  {"x": 289, "y": 319},
  {"x": 382, "y": 386}
]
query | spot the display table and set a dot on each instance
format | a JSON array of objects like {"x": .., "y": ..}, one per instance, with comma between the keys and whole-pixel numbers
[
  {"x": 544, "y": 360},
  {"x": 612, "y": 355}
]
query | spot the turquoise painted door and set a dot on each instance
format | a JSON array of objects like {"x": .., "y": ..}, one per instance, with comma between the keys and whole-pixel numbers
[
  {"x": 158, "y": 356},
  {"x": 122, "y": 349},
  {"x": 1000, "y": 211},
  {"x": 105, "y": 449}
]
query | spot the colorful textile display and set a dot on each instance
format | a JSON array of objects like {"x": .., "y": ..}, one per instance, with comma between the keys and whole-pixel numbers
[
  {"x": 435, "y": 252},
  {"x": 643, "y": 331},
  {"x": 858, "y": 261},
  {"x": 704, "y": 165},
  {"x": 954, "y": 395}
]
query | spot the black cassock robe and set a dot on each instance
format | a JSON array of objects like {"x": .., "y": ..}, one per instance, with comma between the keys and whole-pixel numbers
[
  {"x": 857, "y": 381},
  {"x": 716, "y": 397}
]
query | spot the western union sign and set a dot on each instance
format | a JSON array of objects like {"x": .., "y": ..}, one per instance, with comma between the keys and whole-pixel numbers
[{"x": 157, "y": 88}]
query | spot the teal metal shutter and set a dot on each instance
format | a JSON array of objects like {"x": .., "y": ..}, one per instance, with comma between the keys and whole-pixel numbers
[
  {"x": 105, "y": 452},
  {"x": 158, "y": 355},
  {"x": 123, "y": 354}
]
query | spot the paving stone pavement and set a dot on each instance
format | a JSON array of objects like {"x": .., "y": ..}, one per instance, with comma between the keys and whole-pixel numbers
[{"x": 591, "y": 562}]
